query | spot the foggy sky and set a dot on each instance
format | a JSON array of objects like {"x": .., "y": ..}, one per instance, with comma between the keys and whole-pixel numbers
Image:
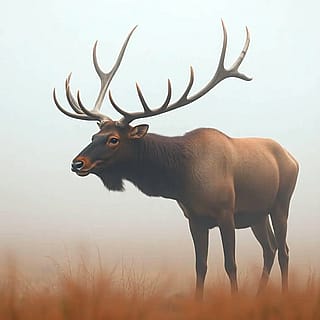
[{"x": 45, "y": 207}]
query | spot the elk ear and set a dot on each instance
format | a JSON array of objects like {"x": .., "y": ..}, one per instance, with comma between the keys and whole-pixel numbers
[{"x": 138, "y": 132}]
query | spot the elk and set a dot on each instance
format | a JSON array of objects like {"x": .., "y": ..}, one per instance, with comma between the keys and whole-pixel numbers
[{"x": 216, "y": 180}]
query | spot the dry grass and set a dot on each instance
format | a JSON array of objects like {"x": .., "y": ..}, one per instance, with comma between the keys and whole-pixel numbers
[{"x": 94, "y": 295}]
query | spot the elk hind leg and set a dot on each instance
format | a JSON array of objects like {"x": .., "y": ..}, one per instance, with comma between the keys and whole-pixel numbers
[
  {"x": 279, "y": 217},
  {"x": 227, "y": 231},
  {"x": 264, "y": 234}
]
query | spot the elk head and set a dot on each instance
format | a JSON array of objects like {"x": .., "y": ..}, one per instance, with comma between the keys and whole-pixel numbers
[{"x": 114, "y": 145}]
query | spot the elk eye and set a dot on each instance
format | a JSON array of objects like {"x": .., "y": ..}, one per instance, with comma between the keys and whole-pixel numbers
[{"x": 113, "y": 141}]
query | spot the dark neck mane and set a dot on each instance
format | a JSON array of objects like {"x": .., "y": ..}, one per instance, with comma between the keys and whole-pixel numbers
[{"x": 156, "y": 167}]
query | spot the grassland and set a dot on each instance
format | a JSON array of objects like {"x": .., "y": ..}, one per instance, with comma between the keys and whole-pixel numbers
[{"x": 97, "y": 294}]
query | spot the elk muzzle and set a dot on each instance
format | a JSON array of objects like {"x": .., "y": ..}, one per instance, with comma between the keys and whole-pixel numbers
[
  {"x": 82, "y": 166},
  {"x": 79, "y": 167}
]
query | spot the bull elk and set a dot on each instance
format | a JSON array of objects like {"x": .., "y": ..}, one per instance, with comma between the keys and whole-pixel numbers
[{"x": 217, "y": 181}]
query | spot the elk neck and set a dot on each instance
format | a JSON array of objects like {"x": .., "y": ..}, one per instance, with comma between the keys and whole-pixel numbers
[{"x": 157, "y": 166}]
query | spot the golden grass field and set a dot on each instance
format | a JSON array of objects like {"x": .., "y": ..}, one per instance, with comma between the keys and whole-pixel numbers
[{"x": 98, "y": 294}]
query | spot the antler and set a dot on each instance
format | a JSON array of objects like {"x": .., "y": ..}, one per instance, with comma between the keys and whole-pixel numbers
[
  {"x": 81, "y": 112},
  {"x": 220, "y": 74}
]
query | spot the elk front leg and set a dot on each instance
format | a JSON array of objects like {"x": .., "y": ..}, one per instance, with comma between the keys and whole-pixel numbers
[
  {"x": 227, "y": 231},
  {"x": 200, "y": 234}
]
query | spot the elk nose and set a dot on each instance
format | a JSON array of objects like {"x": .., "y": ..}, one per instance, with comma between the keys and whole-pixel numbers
[{"x": 77, "y": 165}]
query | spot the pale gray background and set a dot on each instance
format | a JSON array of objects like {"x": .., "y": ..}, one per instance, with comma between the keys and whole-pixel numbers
[{"x": 45, "y": 209}]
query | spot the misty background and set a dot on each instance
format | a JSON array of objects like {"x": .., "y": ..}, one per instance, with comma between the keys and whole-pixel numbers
[{"x": 47, "y": 212}]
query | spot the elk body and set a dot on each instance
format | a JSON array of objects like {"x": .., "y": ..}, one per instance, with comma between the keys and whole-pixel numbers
[{"x": 217, "y": 181}]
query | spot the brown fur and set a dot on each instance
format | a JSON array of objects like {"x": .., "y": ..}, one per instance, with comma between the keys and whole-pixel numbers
[{"x": 216, "y": 180}]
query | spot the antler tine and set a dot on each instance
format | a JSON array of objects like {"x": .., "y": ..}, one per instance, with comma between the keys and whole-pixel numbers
[
  {"x": 67, "y": 113},
  {"x": 142, "y": 99},
  {"x": 70, "y": 97},
  {"x": 168, "y": 98},
  {"x": 184, "y": 96},
  {"x": 242, "y": 55},
  {"x": 224, "y": 47},
  {"x": 92, "y": 114},
  {"x": 106, "y": 77},
  {"x": 72, "y": 101},
  {"x": 220, "y": 74},
  {"x": 95, "y": 60}
]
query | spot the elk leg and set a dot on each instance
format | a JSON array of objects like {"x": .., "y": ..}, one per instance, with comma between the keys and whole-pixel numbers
[
  {"x": 279, "y": 216},
  {"x": 266, "y": 238},
  {"x": 227, "y": 231},
  {"x": 200, "y": 234}
]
